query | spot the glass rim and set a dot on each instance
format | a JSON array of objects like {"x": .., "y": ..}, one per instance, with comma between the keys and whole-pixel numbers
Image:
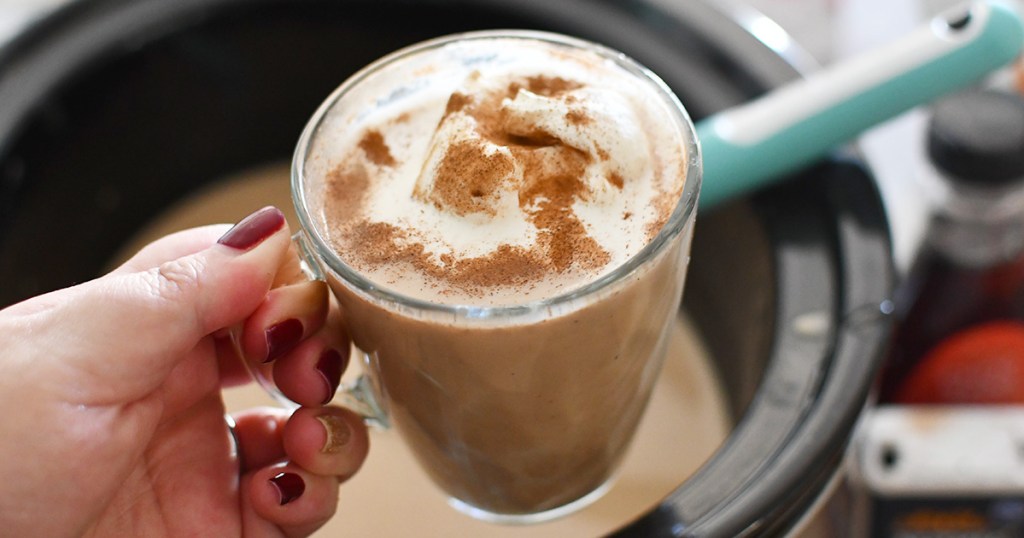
[{"x": 684, "y": 209}]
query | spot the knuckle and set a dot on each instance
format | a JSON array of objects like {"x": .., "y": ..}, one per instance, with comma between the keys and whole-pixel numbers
[{"x": 176, "y": 279}]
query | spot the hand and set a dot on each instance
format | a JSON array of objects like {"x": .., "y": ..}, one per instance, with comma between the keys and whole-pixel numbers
[{"x": 111, "y": 389}]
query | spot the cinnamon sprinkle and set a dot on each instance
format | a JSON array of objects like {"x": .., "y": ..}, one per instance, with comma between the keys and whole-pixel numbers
[
  {"x": 456, "y": 102},
  {"x": 550, "y": 86},
  {"x": 346, "y": 187},
  {"x": 578, "y": 117},
  {"x": 376, "y": 150},
  {"x": 467, "y": 180}
]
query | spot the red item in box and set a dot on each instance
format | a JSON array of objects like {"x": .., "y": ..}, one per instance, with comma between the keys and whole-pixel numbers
[{"x": 983, "y": 364}]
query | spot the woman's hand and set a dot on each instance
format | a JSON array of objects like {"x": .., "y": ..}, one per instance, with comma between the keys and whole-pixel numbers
[{"x": 111, "y": 389}]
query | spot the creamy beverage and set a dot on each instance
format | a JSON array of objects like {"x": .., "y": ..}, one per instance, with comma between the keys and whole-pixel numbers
[
  {"x": 514, "y": 178},
  {"x": 506, "y": 219}
]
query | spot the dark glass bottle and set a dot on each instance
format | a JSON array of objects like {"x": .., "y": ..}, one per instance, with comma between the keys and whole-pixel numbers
[{"x": 970, "y": 269}]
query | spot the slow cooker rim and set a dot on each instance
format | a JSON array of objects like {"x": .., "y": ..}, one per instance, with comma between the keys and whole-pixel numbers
[
  {"x": 771, "y": 500},
  {"x": 862, "y": 321}
]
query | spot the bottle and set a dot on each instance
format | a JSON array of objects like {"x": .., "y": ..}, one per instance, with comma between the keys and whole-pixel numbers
[{"x": 970, "y": 269}]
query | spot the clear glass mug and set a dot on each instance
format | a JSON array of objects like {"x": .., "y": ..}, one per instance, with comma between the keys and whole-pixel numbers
[{"x": 519, "y": 413}]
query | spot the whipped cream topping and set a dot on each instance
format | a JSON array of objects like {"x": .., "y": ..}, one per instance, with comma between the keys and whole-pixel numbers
[{"x": 496, "y": 172}]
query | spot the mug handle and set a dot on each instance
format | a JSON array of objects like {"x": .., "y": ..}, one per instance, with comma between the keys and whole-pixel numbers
[{"x": 359, "y": 394}]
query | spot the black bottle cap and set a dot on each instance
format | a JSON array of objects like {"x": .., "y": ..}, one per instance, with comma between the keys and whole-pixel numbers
[{"x": 977, "y": 136}]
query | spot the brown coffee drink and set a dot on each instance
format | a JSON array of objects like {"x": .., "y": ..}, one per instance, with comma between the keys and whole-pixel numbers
[{"x": 505, "y": 219}]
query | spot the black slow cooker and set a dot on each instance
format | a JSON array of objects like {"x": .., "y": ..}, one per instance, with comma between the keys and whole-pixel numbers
[{"x": 111, "y": 110}]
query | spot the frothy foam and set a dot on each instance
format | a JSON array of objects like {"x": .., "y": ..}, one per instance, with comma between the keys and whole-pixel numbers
[{"x": 496, "y": 172}]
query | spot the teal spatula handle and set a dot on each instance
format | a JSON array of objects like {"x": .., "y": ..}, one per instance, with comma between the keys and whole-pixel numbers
[{"x": 753, "y": 144}]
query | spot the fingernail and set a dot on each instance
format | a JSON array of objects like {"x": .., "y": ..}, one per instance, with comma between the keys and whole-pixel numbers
[
  {"x": 338, "y": 433},
  {"x": 330, "y": 366},
  {"x": 282, "y": 337},
  {"x": 252, "y": 230},
  {"x": 289, "y": 486}
]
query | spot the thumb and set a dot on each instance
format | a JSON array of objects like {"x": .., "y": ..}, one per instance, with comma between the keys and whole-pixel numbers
[{"x": 127, "y": 331}]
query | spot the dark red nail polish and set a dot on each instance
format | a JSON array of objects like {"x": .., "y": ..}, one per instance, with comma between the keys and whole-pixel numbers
[
  {"x": 252, "y": 230},
  {"x": 282, "y": 337},
  {"x": 329, "y": 366},
  {"x": 289, "y": 486}
]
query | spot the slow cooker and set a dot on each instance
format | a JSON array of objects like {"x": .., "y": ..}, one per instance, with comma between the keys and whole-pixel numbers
[{"x": 113, "y": 110}]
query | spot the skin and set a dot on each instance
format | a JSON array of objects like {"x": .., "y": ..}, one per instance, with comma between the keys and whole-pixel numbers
[{"x": 115, "y": 423}]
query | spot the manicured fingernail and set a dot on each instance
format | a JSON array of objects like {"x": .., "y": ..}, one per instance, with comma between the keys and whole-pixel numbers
[
  {"x": 252, "y": 230},
  {"x": 338, "y": 433},
  {"x": 289, "y": 486},
  {"x": 282, "y": 337},
  {"x": 330, "y": 366}
]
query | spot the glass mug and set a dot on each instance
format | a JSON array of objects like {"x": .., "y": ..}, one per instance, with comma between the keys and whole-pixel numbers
[{"x": 519, "y": 413}]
